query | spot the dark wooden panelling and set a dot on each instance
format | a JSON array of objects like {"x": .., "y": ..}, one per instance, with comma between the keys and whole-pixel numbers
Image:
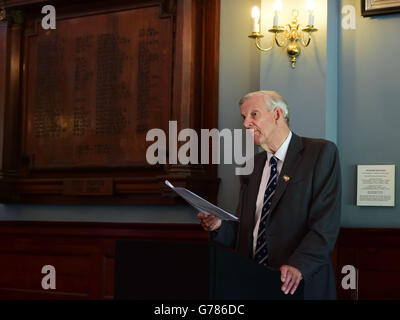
[
  {"x": 81, "y": 252},
  {"x": 83, "y": 255},
  {"x": 375, "y": 253}
]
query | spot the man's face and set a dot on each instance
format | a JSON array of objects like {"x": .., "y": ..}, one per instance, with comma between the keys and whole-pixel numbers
[{"x": 256, "y": 116}]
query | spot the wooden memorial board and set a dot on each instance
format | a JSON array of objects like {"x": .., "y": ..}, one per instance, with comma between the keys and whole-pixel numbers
[{"x": 80, "y": 99}]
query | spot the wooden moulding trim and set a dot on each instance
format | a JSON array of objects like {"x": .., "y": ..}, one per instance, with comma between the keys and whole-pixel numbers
[
  {"x": 211, "y": 25},
  {"x": 170, "y": 231},
  {"x": 18, "y": 294},
  {"x": 122, "y": 186},
  {"x": 14, "y": 3},
  {"x": 11, "y": 47},
  {"x": 3, "y": 82},
  {"x": 212, "y": 32}
]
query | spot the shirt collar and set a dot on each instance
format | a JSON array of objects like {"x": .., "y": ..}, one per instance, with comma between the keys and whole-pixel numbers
[{"x": 281, "y": 152}]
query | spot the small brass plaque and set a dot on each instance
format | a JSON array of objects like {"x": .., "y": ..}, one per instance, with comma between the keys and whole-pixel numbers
[{"x": 88, "y": 187}]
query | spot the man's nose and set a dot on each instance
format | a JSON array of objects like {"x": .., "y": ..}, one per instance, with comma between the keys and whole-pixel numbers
[{"x": 247, "y": 123}]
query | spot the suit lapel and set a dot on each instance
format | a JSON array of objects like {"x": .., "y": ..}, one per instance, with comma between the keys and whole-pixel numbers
[
  {"x": 292, "y": 159},
  {"x": 246, "y": 226}
]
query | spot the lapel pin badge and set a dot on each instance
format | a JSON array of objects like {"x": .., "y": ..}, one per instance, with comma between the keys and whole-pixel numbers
[{"x": 286, "y": 178}]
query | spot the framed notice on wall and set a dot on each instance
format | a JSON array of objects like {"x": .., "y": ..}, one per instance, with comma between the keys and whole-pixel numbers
[{"x": 376, "y": 185}]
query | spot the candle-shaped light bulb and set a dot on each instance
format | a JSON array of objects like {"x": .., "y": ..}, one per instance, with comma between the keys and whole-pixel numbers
[
  {"x": 277, "y": 10},
  {"x": 310, "y": 9},
  {"x": 255, "y": 14}
]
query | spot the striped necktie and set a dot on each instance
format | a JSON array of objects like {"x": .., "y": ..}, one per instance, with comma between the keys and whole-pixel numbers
[{"x": 261, "y": 253}]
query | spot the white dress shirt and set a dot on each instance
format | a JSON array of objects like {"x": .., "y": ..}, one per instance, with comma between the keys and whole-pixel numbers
[{"x": 280, "y": 154}]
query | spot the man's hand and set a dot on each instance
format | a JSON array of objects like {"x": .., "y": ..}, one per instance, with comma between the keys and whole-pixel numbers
[
  {"x": 291, "y": 277},
  {"x": 209, "y": 222}
]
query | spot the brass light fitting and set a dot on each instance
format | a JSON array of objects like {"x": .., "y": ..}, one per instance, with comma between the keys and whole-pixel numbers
[{"x": 290, "y": 34}]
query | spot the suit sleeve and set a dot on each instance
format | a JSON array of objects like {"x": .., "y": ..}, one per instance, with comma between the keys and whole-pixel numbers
[
  {"x": 227, "y": 235},
  {"x": 323, "y": 221}
]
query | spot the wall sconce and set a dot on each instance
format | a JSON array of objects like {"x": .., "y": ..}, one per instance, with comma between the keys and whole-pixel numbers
[{"x": 290, "y": 33}]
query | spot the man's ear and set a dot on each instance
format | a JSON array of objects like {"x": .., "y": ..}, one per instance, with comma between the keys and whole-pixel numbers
[{"x": 278, "y": 114}]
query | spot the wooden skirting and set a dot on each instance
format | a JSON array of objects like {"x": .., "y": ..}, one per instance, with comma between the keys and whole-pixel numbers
[{"x": 81, "y": 252}]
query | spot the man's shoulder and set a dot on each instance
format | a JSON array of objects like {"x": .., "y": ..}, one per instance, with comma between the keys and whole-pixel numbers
[
  {"x": 322, "y": 149},
  {"x": 317, "y": 143}
]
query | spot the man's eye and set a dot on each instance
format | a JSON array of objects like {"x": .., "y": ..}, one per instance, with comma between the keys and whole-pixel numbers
[{"x": 254, "y": 114}]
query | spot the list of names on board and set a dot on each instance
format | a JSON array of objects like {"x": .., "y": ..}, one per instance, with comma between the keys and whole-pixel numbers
[{"x": 95, "y": 86}]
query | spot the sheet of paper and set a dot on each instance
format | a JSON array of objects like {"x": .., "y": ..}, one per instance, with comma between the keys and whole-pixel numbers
[{"x": 201, "y": 204}]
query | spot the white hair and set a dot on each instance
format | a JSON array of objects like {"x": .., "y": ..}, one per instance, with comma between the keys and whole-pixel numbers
[{"x": 272, "y": 100}]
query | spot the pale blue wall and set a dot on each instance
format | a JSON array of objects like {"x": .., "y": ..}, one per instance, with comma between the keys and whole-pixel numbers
[
  {"x": 304, "y": 88},
  {"x": 369, "y": 111},
  {"x": 239, "y": 74},
  {"x": 333, "y": 24}
]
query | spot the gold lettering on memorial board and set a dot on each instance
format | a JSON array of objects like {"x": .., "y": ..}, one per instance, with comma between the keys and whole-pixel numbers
[
  {"x": 82, "y": 76},
  {"x": 111, "y": 92},
  {"x": 48, "y": 107},
  {"x": 148, "y": 55}
]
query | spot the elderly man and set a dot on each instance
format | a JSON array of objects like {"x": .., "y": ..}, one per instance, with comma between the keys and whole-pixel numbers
[{"x": 289, "y": 207}]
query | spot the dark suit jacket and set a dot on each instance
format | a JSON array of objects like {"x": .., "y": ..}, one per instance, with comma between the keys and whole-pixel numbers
[{"x": 304, "y": 220}]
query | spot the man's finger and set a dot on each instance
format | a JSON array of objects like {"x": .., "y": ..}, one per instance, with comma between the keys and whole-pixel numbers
[
  {"x": 290, "y": 283},
  {"x": 296, "y": 284},
  {"x": 201, "y": 215},
  {"x": 293, "y": 289},
  {"x": 209, "y": 222},
  {"x": 284, "y": 270},
  {"x": 286, "y": 282}
]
